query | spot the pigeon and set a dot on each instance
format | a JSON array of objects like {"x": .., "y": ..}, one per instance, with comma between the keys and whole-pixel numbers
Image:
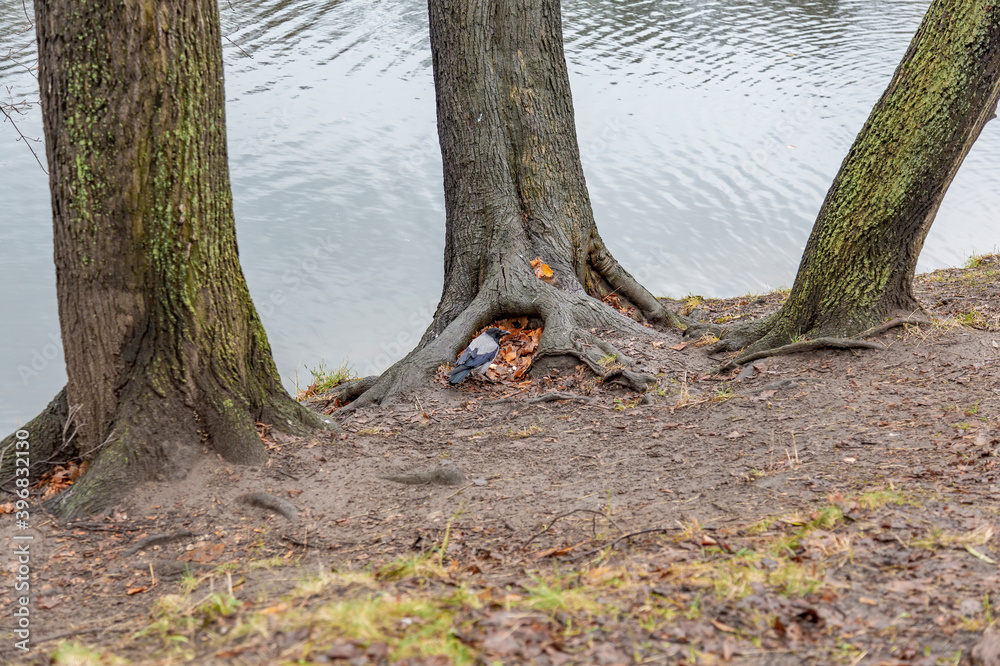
[{"x": 478, "y": 355}]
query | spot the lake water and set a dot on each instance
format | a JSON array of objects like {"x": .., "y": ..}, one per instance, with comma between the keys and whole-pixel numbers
[{"x": 709, "y": 131}]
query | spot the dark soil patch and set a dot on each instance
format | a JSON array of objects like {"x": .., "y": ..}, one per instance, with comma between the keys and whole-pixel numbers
[{"x": 877, "y": 470}]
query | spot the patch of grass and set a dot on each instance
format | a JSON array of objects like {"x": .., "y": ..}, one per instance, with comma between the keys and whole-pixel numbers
[
  {"x": 939, "y": 538},
  {"x": 178, "y": 618},
  {"x": 761, "y": 526},
  {"x": 876, "y": 499},
  {"x": 326, "y": 379},
  {"x": 72, "y": 653},
  {"x": 413, "y": 626},
  {"x": 973, "y": 319},
  {"x": 705, "y": 340},
  {"x": 557, "y": 593},
  {"x": 981, "y": 260},
  {"x": 730, "y": 578},
  {"x": 521, "y": 434},
  {"x": 722, "y": 395},
  {"x": 621, "y": 404},
  {"x": 691, "y": 303},
  {"x": 608, "y": 361}
]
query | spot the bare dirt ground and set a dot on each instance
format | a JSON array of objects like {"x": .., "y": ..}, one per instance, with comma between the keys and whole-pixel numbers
[{"x": 827, "y": 507}]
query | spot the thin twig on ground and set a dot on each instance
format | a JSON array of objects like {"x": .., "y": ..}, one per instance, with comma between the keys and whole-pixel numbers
[{"x": 570, "y": 513}]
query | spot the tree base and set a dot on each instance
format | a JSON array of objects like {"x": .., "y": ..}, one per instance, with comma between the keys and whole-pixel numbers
[
  {"x": 161, "y": 448},
  {"x": 571, "y": 320},
  {"x": 763, "y": 339}
]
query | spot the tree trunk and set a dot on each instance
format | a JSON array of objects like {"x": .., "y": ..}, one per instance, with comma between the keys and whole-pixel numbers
[
  {"x": 51, "y": 443},
  {"x": 514, "y": 190},
  {"x": 858, "y": 266},
  {"x": 164, "y": 350}
]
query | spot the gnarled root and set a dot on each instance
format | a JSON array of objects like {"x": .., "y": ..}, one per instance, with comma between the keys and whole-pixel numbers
[
  {"x": 569, "y": 318},
  {"x": 51, "y": 436},
  {"x": 773, "y": 340}
]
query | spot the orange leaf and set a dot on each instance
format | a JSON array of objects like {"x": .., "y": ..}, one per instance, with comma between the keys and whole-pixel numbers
[
  {"x": 137, "y": 590},
  {"x": 274, "y": 610},
  {"x": 203, "y": 552},
  {"x": 542, "y": 270},
  {"x": 556, "y": 552}
]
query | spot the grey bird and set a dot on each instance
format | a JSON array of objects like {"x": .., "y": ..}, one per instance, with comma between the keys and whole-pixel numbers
[{"x": 478, "y": 355}]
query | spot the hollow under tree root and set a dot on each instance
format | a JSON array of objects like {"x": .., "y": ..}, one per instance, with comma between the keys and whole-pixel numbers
[
  {"x": 859, "y": 342},
  {"x": 625, "y": 377}
]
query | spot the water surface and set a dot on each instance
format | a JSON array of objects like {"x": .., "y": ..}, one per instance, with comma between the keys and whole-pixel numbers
[{"x": 709, "y": 133}]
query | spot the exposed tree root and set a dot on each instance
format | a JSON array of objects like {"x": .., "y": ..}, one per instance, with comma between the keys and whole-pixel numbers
[
  {"x": 157, "y": 437},
  {"x": 570, "y": 319},
  {"x": 894, "y": 323},
  {"x": 803, "y": 346},
  {"x": 556, "y": 396},
  {"x": 51, "y": 435},
  {"x": 826, "y": 342},
  {"x": 349, "y": 391},
  {"x": 622, "y": 283}
]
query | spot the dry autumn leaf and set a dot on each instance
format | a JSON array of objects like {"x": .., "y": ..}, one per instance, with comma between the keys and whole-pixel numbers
[
  {"x": 542, "y": 270},
  {"x": 203, "y": 552}
]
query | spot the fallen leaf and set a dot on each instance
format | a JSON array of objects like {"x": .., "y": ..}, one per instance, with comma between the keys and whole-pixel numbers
[
  {"x": 722, "y": 626},
  {"x": 274, "y": 610},
  {"x": 555, "y": 552},
  {"x": 137, "y": 590},
  {"x": 600, "y": 575},
  {"x": 975, "y": 553},
  {"x": 679, "y": 347},
  {"x": 542, "y": 270},
  {"x": 203, "y": 552},
  {"x": 49, "y": 602}
]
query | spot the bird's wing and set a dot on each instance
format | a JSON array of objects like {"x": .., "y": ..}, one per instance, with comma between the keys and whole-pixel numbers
[{"x": 481, "y": 350}]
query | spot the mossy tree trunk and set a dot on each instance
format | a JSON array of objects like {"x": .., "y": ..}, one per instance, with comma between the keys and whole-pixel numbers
[
  {"x": 165, "y": 353},
  {"x": 514, "y": 191},
  {"x": 857, "y": 268}
]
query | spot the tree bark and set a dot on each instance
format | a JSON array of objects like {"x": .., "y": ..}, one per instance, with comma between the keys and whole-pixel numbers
[
  {"x": 514, "y": 191},
  {"x": 51, "y": 443},
  {"x": 165, "y": 353},
  {"x": 858, "y": 265}
]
